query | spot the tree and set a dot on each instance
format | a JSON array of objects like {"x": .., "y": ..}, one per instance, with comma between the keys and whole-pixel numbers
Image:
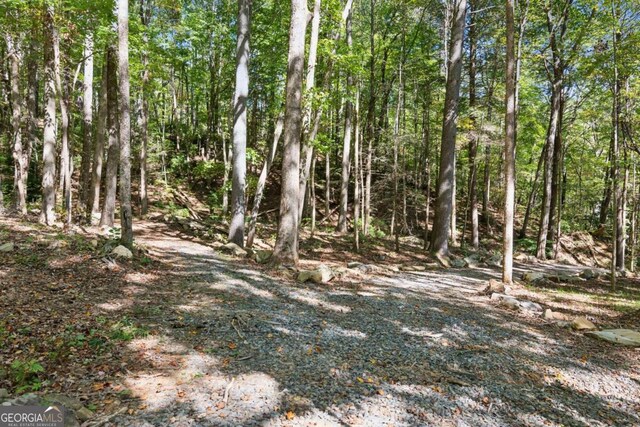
[
  {"x": 87, "y": 124},
  {"x": 286, "y": 247},
  {"x": 441, "y": 223},
  {"x": 47, "y": 215},
  {"x": 236, "y": 227},
  {"x": 98, "y": 149},
  {"x": 509, "y": 146},
  {"x": 126, "y": 216},
  {"x": 346, "y": 146},
  {"x": 113, "y": 142}
]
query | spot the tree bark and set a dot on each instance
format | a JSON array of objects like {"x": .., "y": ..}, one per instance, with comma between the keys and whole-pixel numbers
[
  {"x": 113, "y": 144},
  {"x": 15, "y": 55},
  {"x": 286, "y": 247},
  {"x": 509, "y": 146},
  {"x": 126, "y": 217},
  {"x": 236, "y": 226},
  {"x": 309, "y": 133},
  {"x": 47, "y": 215},
  {"x": 440, "y": 234},
  {"x": 87, "y": 123},
  {"x": 98, "y": 149},
  {"x": 145, "y": 12},
  {"x": 473, "y": 140},
  {"x": 346, "y": 144},
  {"x": 262, "y": 180}
]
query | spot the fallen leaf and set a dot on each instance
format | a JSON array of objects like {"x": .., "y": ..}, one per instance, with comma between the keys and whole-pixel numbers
[{"x": 290, "y": 415}]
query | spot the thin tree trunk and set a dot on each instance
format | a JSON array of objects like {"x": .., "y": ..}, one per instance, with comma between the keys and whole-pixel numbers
[
  {"x": 309, "y": 133},
  {"x": 509, "y": 147},
  {"x": 113, "y": 143},
  {"x": 356, "y": 173},
  {"x": 286, "y": 247},
  {"x": 236, "y": 227},
  {"x": 473, "y": 140},
  {"x": 98, "y": 149},
  {"x": 532, "y": 196},
  {"x": 87, "y": 123},
  {"x": 47, "y": 215},
  {"x": 440, "y": 235},
  {"x": 346, "y": 145},
  {"x": 145, "y": 12},
  {"x": 126, "y": 217},
  {"x": 20, "y": 167},
  {"x": 262, "y": 180}
]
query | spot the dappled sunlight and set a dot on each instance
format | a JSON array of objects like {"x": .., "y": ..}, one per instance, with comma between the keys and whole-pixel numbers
[{"x": 315, "y": 299}]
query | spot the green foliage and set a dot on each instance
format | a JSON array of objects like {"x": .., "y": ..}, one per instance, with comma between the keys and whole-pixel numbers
[
  {"x": 126, "y": 330},
  {"x": 24, "y": 375}
]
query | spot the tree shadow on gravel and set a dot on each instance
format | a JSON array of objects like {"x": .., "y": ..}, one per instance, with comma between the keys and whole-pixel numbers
[{"x": 228, "y": 345}]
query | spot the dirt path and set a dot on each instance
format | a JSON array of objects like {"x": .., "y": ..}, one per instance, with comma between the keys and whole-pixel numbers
[{"x": 232, "y": 346}]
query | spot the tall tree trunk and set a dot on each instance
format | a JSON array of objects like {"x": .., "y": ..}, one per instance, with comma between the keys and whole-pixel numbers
[
  {"x": 439, "y": 238},
  {"x": 14, "y": 51},
  {"x": 113, "y": 144},
  {"x": 286, "y": 247},
  {"x": 356, "y": 173},
  {"x": 47, "y": 215},
  {"x": 126, "y": 217},
  {"x": 346, "y": 145},
  {"x": 309, "y": 133},
  {"x": 87, "y": 123},
  {"x": 65, "y": 151},
  {"x": 145, "y": 16},
  {"x": 262, "y": 180},
  {"x": 98, "y": 149},
  {"x": 473, "y": 140},
  {"x": 509, "y": 147},
  {"x": 236, "y": 227}
]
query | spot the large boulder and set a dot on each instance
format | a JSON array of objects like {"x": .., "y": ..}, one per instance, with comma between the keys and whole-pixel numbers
[
  {"x": 458, "y": 263},
  {"x": 532, "y": 276},
  {"x": 618, "y": 336},
  {"x": 234, "y": 249},
  {"x": 322, "y": 274},
  {"x": 555, "y": 316},
  {"x": 7, "y": 247},
  {"x": 495, "y": 261},
  {"x": 506, "y": 301},
  {"x": 122, "y": 252},
  {"x": 589, "y": 274},
  {"x": 262, "y": 256},
  {"x": 494, "y": 286},
  {"x": 582, "y": 324}
]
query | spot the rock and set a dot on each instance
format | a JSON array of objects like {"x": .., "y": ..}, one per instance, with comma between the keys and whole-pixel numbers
[
  {"x": 66, "y": 401},
  {"x": 494, "y": 286},
  {"x": 530, "y": 306},
  {"x": 554, "y": 315},
  {"x": 443, "y": 260},
  {"x": 7, "y": 247},
  {"x": 320, "y": 275},
  {"x": 582, "y": 324},
  {"x": 472, "y": 261},
  {"x": 589, "y": 274},
  {"x": 506, "y": 301},
  {"x": 57, "y": 244},
  {"x": 234, "y": 249},
  {"x": 532, "y": 276},
  {"x": 618, "y": 336},
  {"x": 122, "y": 252},
  {"x": 4, "y": 394},
  {"x": 262, "y": 256},
  {"x": 560, "y": 278},
  {"x": 354, "y": 264},
  {"x": 458, "y": 263},
  {"x": 94, "y": 243},
  {"x": 495, "y": 261},
  {"x": 406, "y": 268},
  {"x": 84, "y": 414}
]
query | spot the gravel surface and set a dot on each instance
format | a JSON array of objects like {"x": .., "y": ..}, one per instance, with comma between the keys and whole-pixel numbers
[{"x": 232, "y": 346}]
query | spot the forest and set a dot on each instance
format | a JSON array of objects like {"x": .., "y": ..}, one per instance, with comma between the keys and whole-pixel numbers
[{"x": 321, "y": 212}]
